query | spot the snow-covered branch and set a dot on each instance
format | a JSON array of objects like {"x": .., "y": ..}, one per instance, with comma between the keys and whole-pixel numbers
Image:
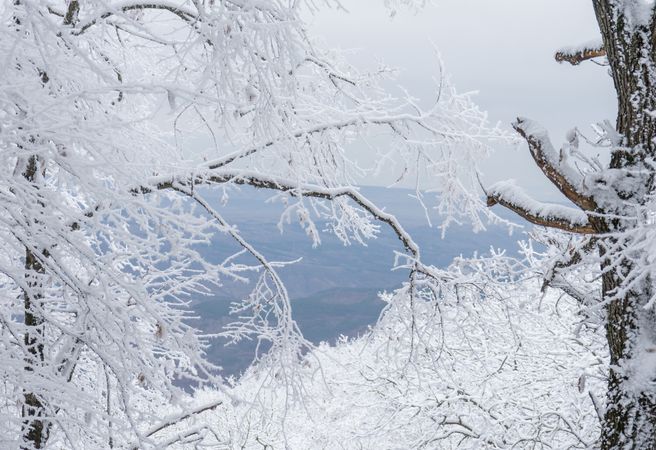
[
  {"x": 260, "y": 180},
  {"x": 511, "y": 196},
  {"x": 564, "y": 177},
  {"x": 173, "y": 420},
  {"x": 178, "y": 9},
  {"x": 575, "y": 55}
]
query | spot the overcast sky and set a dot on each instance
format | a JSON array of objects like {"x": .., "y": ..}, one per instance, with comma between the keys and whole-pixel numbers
[{"x": 501, "y": 48}]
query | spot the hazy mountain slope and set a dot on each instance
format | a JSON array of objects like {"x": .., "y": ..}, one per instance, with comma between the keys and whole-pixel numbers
[{"x": 333, "y": 287}]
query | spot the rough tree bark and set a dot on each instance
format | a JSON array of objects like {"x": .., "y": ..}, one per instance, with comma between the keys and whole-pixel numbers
[
  {"x": 609, "y": 198},
  {"x": 630, "y": 420}
]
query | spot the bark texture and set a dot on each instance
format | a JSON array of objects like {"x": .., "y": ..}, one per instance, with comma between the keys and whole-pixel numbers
[{"x": 630, "y": 419}]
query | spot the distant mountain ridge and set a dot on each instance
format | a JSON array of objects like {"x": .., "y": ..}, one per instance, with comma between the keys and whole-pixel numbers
[{"x": 334, "y": 287}]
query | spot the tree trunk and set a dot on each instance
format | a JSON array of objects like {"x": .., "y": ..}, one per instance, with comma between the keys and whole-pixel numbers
[
  {"x": 630, "y": 418},
  {"x": 35, "y": 428}
]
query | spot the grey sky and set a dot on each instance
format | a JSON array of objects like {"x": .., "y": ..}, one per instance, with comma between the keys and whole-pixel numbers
[{"x": 501, "y": 48}]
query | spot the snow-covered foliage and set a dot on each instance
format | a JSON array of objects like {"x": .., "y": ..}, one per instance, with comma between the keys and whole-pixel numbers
[
  {"x": 487, "y": 361},
  {"x": 100, "y": 218}
]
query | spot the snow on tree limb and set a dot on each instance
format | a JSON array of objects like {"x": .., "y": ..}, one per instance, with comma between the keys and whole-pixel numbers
[
  {"x": 575, "y": 55},
  {"x": 511, "y": 196},
  {"x": 259, "y": 180},
  {"x": 566, "y": 179},
  {"x": 175, "y": 8},
  {"x": 571, "y": 255}
]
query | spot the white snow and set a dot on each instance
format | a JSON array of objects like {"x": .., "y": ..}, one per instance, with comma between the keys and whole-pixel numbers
[
  {"x": 592, "y": 44},
  {"x": 510, "y": 192}
]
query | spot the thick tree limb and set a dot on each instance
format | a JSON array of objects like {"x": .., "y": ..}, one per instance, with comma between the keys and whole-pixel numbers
[
  {"x": 576, "y": 56},
  {"x": 553, "y": 276},
  {"x": 266, "y": 182},
  {"x": 548, "y": 160},
  {"x": 561, "y": 284},
  {"x": 548, "y": 215},
  {"x": 186, "y": 14}
]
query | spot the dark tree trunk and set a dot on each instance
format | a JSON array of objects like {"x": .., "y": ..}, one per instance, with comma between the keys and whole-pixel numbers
[
  {"x": 630, "y": 418},
  {"x": 35, "y": 428}
]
